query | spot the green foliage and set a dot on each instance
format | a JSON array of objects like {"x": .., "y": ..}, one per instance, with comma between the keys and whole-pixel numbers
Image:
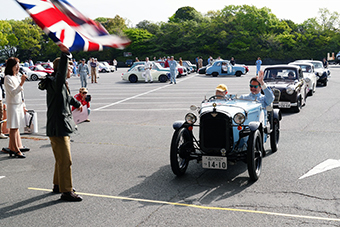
[{"x": 185, "y": 14}]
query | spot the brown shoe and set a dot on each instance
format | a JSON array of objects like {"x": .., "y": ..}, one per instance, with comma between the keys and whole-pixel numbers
[{"x": 71, "y": 196}]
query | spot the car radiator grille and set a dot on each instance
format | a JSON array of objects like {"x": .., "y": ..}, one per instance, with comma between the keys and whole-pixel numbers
[{"x": 215, "y": 133}]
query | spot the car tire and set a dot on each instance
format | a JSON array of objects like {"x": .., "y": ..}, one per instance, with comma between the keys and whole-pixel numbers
[
  {"x": 163, "y": 78},
  {"x": 297, "y": 108},
  {"x": 254, "y": 155},
  {"x": 238, "y": 73},
  {"x": 133, "y": 78},
  {"x": 311, "y": 92},
  {"x": 34, "y": 77},
  {"x": 214, "y": 74},
  {"x": 181, "y": 145},
  {"x": 325, "y": 83},
  {"x": 275, "y": 136}
]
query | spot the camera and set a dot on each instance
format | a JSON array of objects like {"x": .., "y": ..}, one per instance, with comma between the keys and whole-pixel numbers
[{"x": 88, "y": 98}]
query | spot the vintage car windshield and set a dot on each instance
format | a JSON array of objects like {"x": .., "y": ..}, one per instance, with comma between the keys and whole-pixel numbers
[
  {"x": 318, "y": 65},
  {"x": 39, "y": 67},
  {"x": 306, "y": 68},
  {"x": 156, "y": 65},
  {"x": 280, "y": 74}
]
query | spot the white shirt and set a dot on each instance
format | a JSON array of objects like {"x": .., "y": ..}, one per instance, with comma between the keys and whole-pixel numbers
[{"x": 147, "y": 65}]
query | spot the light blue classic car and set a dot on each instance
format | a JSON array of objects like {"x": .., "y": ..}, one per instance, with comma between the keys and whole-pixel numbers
[
  {"x": 230, "y": 130},
  {"x": 224, "y": 68}
]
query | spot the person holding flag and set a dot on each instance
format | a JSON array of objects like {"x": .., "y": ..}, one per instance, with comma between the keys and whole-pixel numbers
[{"x": 60, "y": 123}]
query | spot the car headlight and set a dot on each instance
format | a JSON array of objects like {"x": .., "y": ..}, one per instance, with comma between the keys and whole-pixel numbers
[
  {"x": 190, "y": 118},
  {"x": 290, "y": 91},
  {"x": 307, "y": 80},
  {"x": 239, "y": 118}
]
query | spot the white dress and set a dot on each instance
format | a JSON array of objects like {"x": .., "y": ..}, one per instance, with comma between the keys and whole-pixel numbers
[{"x": 14, "y": 100}]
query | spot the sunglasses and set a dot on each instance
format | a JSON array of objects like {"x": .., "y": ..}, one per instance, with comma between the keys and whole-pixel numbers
[
  {"x": 253, "y": 86},
  {"x": 84, "y": 92}
]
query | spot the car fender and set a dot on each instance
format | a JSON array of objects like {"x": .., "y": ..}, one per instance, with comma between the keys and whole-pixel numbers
[
  {"x": 178, "y": 124},
  {"x": 277, "y": 114},
  {"x": 254, "y": 125}
]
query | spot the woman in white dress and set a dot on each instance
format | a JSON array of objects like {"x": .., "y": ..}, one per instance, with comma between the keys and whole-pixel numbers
[{"x": 15, "y": 105}]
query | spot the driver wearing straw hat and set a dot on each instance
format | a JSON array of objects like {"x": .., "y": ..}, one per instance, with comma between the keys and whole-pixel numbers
[{"x": 221, "y": 91}]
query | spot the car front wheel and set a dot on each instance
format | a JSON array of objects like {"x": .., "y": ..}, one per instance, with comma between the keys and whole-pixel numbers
[
  {"x": 254, "y": 155},
  {"x": 298, "y": 106},
  {"x": 181, "y": 145}
]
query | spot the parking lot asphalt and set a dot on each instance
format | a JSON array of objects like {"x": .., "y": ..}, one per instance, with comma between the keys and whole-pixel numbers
[{"x": 121, "y": 163}]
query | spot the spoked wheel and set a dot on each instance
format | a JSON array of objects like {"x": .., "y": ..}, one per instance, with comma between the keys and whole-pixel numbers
[
  {"x": 275, "y": 136},
  {"x": 181, "y": 146},
  {"x": 254, "y": 155}
]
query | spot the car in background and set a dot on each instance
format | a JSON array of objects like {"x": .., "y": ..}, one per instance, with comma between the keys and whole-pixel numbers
[
  {"x": 216, "y": 69},
  {"x": 129, "y": 62},
  {"x": 40, "y": 68},
  {"x": 189, "y": 65},
  {"x": 32, "y": 75},
  {"x": 47, "y": 65},
  {"x": 337, "y": 58},
  {"x": 320, "y": 72},
  {"x": 138, "y": 74},
  {"x": 288, "y": 86},
  {"x": 308, "y": 75},
  {"x": 103, "y": 68},
  {"x": 110, "y": 67},
  {"x": 155, "y": 66}
]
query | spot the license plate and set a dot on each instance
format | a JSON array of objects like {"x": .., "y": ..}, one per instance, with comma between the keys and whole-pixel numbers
[
  {"x": 284, "y": 104},
  {"x": 213, "y": 162}
]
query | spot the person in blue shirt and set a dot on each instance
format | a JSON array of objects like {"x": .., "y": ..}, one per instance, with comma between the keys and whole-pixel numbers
[
  {"x": 258, "y": 64},
  {"x": 173, "y": 68},
  {"x": 256, "y": 84}
]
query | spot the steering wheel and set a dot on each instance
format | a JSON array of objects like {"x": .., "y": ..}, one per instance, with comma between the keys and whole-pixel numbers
[{"x": 214, "y": 97}]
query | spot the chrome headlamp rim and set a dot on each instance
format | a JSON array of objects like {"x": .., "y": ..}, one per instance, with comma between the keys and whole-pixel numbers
[
  {"x": 190, "y": 118},
  {"x": 290, "y": 91},
  {"x": 239, "y": 118}
]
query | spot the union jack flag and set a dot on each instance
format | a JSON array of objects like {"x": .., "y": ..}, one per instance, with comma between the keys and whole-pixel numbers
[{"x": 65, "y": 24}]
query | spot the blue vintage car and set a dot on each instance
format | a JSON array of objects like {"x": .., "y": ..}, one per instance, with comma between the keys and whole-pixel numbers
[
  {"x": 224, "y": 68},
  {"x": 230, "y": 130}
]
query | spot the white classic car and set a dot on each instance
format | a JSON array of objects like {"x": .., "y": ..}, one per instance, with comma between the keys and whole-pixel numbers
[
  {"x": 32, "y": 75},
  {"x": 308, "y": 75},
  {"x": 138, "y": 74}
]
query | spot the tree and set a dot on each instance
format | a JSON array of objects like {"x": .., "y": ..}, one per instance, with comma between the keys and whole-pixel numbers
[
  {"x": 113, "y": 25},
  {"x": 186, "y": 13},
  {"x": 25, "y": 42},
  {"x": 150, "y": 27}
]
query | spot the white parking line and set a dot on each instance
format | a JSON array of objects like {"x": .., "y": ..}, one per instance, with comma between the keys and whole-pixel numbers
[
  {"x": 136, "y": 96},
  {"x": 2, "y": 177}
]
